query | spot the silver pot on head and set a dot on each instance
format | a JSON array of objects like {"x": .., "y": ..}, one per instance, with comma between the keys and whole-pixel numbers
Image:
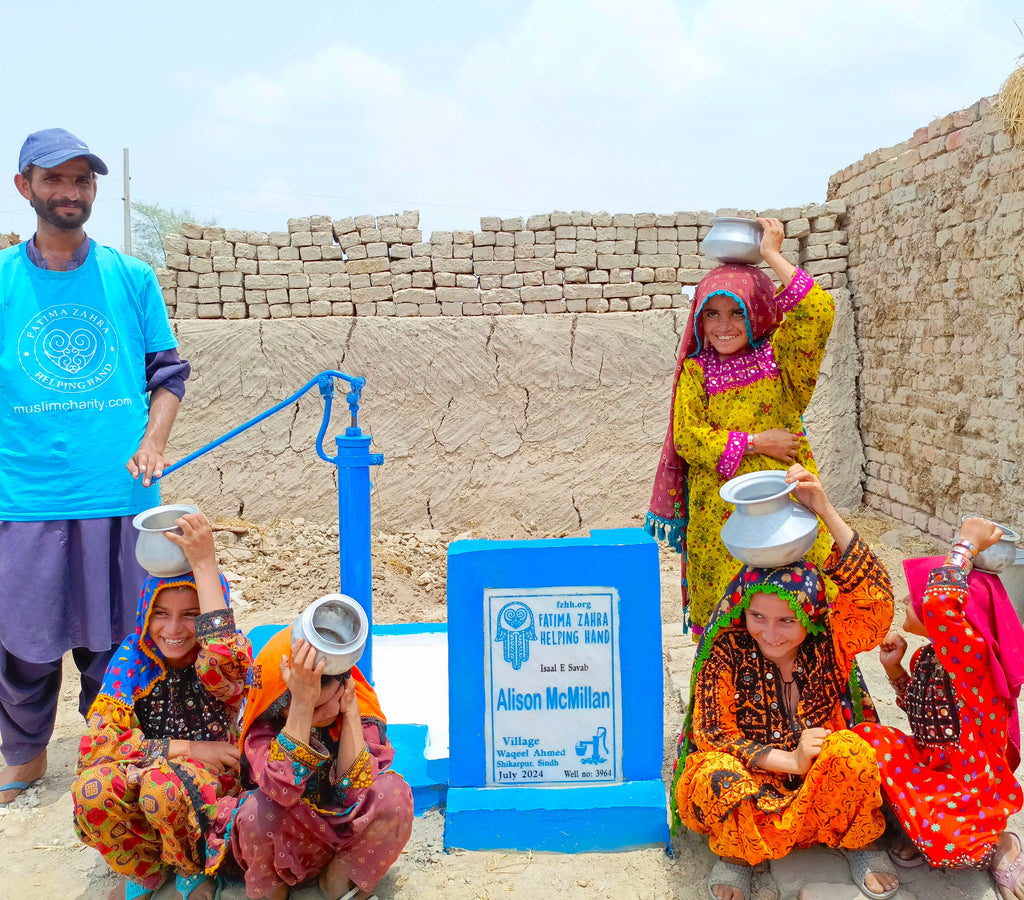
[
  {"x": 155, "y": 553},
  {"x": 337, "y": 628}
]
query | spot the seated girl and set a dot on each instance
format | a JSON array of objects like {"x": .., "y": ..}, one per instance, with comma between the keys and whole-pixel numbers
[
  {"x": 766, "y": 761},
  {"x": 327, "y": 808},
  {"x": 157, "y": 769},
  {"x": 950, "y": 783}
]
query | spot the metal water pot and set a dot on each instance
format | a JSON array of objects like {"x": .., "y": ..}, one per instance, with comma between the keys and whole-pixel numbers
[
  {"x": 155, "y": 553},
  {"x": 1001, "y": 555},
  {"x": 768, "y": 527},
  {"x": 733, "y": 240},
  {"x": 337, "y": 628}
]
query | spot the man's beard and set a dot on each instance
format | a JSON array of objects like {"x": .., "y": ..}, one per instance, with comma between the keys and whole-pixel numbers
[{"x": 48, "y": 212}]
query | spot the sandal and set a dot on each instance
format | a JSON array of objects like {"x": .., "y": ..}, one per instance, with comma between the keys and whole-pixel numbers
[
  {"x": 903, "y": 843},
  {"x": 869, "y": 862},
  {"x": 1006, "y": 877},
  {"x": 731, "y": 875}
]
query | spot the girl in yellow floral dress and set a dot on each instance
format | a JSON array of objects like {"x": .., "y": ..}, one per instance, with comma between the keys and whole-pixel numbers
[{"x": 747, "y": 368}]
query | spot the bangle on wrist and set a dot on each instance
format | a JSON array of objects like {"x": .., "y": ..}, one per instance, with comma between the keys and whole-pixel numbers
[{"x": 965, "y": 547}]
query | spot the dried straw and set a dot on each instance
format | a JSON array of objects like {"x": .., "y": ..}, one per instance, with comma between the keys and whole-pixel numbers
[{"x": 1011, "y": 103}]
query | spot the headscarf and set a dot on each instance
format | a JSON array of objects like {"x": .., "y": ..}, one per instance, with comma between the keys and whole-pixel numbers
[
  {"x": 754, "y": 291},
  {"x": 803, "y": 588},
  {"x": 991, "y": 614},
  {"x": 138, "y": 664},
  {"x": 266, "y": 686}
]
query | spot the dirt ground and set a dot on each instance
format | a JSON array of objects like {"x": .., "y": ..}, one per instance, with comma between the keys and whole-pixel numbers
[{"x": 274, "y": 572}]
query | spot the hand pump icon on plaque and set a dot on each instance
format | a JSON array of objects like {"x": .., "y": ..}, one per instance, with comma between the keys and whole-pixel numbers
[{"x": 594, "y": 743}]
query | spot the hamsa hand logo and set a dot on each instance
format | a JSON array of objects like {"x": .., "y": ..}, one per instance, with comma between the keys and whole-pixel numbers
[{"x": 515, "y": 630}]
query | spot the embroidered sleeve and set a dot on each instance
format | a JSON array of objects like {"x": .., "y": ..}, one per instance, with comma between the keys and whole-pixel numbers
[
  {"x": 960, "y": 650},
  {"x": 717, "y": 700},
  {"x": 795, "y": 291},
  {"x": 861, "y": 613},
  {"x": 280, "y": 765},
  {"x": 224, "y": 657},
  {"x": 799, "y": 342},
  {"x": 902, "y": 684},
  {"x": 113, "y": 735},
  {"x": 373, "y": 759},
  {"x": 697, "y": 441},
  {"x": 730, "y": 459}
]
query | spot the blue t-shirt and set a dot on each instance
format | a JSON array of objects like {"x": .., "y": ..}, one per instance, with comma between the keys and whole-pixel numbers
[{"x": 73, "y": 401}]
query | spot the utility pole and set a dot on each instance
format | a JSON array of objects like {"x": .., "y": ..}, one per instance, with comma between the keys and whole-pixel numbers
[{"x": 127, "y": 207}]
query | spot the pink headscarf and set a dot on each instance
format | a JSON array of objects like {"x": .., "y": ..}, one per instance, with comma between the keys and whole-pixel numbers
[{"x": 992, "y": 615}]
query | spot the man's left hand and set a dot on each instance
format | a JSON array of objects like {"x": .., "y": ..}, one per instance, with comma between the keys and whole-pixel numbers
[{"x": 148, "y": 462}]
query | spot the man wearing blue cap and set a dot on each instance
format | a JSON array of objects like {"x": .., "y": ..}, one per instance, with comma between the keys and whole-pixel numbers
[{"x": 90, "y": 382}]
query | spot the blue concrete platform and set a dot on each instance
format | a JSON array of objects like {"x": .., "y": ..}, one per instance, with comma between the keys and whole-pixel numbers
[{"x": 597, "y": 818}]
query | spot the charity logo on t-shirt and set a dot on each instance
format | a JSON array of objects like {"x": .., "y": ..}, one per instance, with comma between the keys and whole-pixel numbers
[{"x": 69, "y": 348}]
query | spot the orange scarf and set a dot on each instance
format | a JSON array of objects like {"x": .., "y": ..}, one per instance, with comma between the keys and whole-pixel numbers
[{"x": 266, "y": 685}]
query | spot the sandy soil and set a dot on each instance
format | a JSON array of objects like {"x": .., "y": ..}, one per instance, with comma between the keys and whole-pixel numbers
[{"x": 274, "y": 572}]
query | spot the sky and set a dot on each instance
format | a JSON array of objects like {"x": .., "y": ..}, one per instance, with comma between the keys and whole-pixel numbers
[{"x": 249, "y": 114}]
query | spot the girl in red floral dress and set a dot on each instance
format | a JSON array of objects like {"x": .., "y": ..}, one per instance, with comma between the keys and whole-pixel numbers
[{"x": 950, "y": 783}]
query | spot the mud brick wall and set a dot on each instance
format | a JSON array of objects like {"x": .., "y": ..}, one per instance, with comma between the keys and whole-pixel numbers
[
  {"x": 936, "y": 261},
  {"x": 555, "y": 263}
]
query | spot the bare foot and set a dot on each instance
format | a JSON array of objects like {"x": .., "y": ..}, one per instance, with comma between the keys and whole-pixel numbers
[
  {"x": 118, "y": 893},
  {"x": 205, "y": 891},
  {"x": 30, "y": 771},
  {"x": 880, "y": 882},
  {"x": 1007, "y": 864},
  {"x": 902, "y": 846}
]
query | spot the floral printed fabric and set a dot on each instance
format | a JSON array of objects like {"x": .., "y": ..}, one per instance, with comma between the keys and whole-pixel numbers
[
  {"x": 767, "y": 387},
  {"x": 737, "y": 712},
  {"x": 952, "y": 798}
]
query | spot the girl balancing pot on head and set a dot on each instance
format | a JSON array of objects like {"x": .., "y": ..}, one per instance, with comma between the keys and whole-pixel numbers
[
  {"x": 327, "y": 810},
  {"x": 158, "y": 766},
  {"x": 747, "y": 367},
  {"x": 950, "y": 782},
  {"x": 767, "y": 761}
]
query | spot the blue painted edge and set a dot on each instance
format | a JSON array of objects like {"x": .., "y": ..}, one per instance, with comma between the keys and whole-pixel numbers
[
  {"x": 562, "y": 820},
  {"x": 412, "y": 628},
  {"x": 428, "y": 778}
]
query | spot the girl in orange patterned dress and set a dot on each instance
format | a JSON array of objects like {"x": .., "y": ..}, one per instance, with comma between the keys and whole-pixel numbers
[
  {"x": 157, "y": 769},
  {"x": 766, "y": 761},
  {"x": 950, "y": 783},
  {"x": 747, "y": 367}
]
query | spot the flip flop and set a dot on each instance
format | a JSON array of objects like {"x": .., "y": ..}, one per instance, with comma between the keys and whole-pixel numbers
[
  {"x": 909, "y": 862},
  {"x": 1006, "y": 877},
  {"x": 731, "y": 875},
  {"x": 16, "y": 786},
  {"x": 869, "y": 862}
]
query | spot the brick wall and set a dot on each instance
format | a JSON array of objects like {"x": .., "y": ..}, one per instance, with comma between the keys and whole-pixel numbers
[
  {"x": 557, "y": 263},
  {"x": 936, "y": 262}
]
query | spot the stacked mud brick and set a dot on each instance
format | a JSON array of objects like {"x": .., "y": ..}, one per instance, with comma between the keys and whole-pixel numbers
[
  {"x": 381, "y": 266},
  {"x": 936, "y": 267}
]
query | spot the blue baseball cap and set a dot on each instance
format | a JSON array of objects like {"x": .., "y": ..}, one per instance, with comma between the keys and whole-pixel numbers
[{"x": 53, "y": 146}]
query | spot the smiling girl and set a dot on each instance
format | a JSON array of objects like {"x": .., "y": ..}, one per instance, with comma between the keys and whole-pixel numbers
[
  {"x": 767, "y": 763},
  {"x": 157, "y": 769},
  {"x": 747, "y": 367}
]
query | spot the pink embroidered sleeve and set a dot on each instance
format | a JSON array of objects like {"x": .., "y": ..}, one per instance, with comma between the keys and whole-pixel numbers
[
  {"x": 730, "y": 459},
  {"x": 798, "y": 288}
]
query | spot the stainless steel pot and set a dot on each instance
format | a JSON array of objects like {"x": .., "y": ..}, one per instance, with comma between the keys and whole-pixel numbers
[
  {"x": 768, "y": 527},
  {"x": 337, "y": 628},
  {"x": 155, "y": 553},
  {"x": 1001, "y": 555},
  {"x": 733, "y": 240}
]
